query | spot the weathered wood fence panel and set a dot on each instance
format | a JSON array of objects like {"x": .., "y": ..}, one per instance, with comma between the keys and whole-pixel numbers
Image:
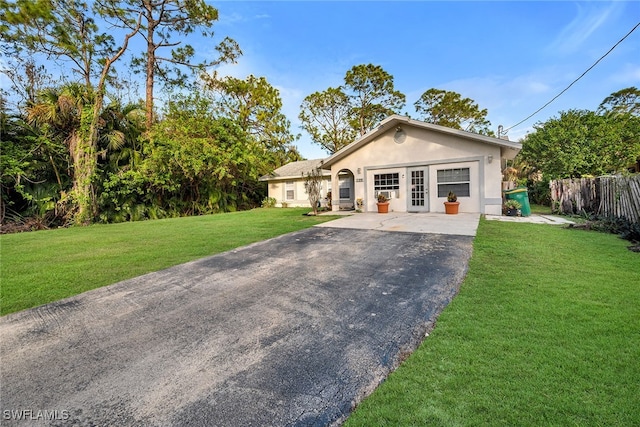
[{"x": 617, "y": 196}]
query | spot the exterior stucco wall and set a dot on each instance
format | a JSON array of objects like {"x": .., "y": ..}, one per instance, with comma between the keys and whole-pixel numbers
[
  {"x": 277, "y": 190},
  {"x": 432, "y": 151}
]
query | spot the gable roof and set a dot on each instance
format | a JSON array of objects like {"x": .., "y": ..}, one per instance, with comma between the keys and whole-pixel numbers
[
  {"x": 508, "y": 149},
  {"x": 294, "y": 170}
]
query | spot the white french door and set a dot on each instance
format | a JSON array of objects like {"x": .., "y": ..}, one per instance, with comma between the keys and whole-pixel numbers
[{"x": 418, "y": 187}]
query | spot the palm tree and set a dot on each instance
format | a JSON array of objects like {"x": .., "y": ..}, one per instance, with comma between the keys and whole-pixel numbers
[
  {"x": 63, "y": 113},
  {"x": 120, "y": 131},
  {"x": 59, "y": 114}
]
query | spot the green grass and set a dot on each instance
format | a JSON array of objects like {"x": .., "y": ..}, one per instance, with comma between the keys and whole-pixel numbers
[
  {"x": 44, "y": 266},
  {"x": 545, "y": 331},
  {"x": 540, "y": 209}
]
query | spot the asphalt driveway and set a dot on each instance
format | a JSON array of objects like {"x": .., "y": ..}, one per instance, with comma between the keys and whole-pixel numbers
[{"x": 292, "y": 331}]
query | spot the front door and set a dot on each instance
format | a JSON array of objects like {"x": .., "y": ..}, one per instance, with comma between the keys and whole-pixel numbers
[{"x": 418, "y": 189}]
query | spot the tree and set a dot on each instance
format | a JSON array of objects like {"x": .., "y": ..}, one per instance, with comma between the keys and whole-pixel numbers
[
  {"x": 448, "y": 108},
  {"x": 64, "y": 29},
  {"x": 199, "y": 163},
  {"x": 623, "y": 101},
  {"x": 61, "y": 29},
  {"x": 255, "y": 105},
  {"x": 372, "y": 96},
  {"x": 27, "y": 79},
  {"x": 120, "y": 145},
  {"x": 33, "y": 161},
  {"x": 582, "y": 142},
  {"x": 313, "y": 187},
  {"x": 164, "y": 21},
  {"x": 326, "y": 116},
  {"x": 335, "y": 116}
]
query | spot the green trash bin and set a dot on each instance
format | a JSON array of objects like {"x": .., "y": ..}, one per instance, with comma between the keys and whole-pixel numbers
[{"x": 521, "y": 195}]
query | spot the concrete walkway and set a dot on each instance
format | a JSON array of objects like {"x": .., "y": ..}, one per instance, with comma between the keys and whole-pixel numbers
[
  {"x": 463, "y": 224},
  {"x": 534, "y": 219}
]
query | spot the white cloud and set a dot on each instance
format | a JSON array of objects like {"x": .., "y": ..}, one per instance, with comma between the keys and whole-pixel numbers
[
  {"x": 229, "y": 19},
  {"x": 589, "y": 18}
]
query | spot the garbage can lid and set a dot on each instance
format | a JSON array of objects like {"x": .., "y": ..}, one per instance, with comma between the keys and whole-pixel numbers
[{"x": 516, "y": 190}]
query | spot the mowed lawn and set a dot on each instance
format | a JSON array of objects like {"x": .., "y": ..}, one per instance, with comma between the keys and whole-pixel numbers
[
  {"x": 44, "y": 266},
  {"x": 544, "y": 332}
]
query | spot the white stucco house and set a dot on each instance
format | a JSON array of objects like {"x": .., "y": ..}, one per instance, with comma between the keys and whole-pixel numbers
[
  {"x": 415, "y": 164},
  {"x": 286, "y": 184}
]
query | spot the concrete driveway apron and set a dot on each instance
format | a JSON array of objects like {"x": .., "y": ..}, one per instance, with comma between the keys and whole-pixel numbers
[{"x": 292, "y": 331}]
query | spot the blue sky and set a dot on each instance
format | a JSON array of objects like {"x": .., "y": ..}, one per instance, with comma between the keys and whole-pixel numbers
[{"x": 511, "y": 57}]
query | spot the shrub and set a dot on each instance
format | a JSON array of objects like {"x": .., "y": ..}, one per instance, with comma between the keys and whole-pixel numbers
[
  {"x": 621, "y": 226},
  {"x": 269, "y": 202},
  {"x": 512, "y": 204},
  {"x": 539, "y": 192}
]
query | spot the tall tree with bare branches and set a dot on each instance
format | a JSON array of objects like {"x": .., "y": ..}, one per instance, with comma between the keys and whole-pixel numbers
[{"x": 166, "y": 24}]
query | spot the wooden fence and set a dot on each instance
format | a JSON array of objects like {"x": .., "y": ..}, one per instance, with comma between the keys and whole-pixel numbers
[{"x": 615, "y": 196}]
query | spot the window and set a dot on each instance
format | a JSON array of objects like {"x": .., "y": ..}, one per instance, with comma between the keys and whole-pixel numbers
[
  {"x": 386, "y": 181},
  {"x": 344, "y": 184},
  {"x": 456, "y": 180},
  {"x": 289, "y": 190}
]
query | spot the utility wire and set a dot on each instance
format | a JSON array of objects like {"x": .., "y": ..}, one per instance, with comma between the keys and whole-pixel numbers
[{"x": 504, "y": 132}]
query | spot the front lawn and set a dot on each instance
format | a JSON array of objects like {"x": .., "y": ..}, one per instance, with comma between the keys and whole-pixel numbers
[
  {"x": 44, "y": 266},
  {"x": 545, "y": 331}
]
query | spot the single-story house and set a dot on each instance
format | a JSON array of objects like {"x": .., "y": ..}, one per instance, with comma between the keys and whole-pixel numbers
[
  {"x": 415, "y": 164},
  {"x": 286, "y": 184}
]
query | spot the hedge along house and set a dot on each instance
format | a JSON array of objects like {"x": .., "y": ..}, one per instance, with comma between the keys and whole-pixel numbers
[
  {"x": 286, "y": 184},
  {"x": 415, "y": 164}
]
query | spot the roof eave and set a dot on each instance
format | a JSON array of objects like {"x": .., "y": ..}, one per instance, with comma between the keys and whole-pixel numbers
[
  {"x": 391, "y": 121},
  {"x": 289, "y": 177}
]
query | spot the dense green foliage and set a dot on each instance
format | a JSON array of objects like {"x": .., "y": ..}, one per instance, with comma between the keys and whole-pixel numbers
[
  {"x": 581, "y": 142},
  {"x": 48, "y": 265},
  {"x": 73, "y": 151},
  {"x": 530, "y": 339}
]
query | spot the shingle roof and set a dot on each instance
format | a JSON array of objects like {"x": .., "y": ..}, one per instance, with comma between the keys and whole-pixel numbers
[{"x": 295, "y": 170}]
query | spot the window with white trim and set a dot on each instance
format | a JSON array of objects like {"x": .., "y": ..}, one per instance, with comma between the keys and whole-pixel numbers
[
  {"x": 457, "y": 180},
  {"x": 289, "y": 190},
  {"x": 344, "y": 185},
  {"x": 386, "y": 184},
  {"x": 386, "y": 181}
]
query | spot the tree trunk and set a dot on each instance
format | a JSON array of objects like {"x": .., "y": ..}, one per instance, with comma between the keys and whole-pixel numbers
[
  {"x": 151, "y": 61},
  {"x": 150, "y": 77}
]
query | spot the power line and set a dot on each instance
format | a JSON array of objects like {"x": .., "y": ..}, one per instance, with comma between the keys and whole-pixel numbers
[{"x": 504, "y": 132}]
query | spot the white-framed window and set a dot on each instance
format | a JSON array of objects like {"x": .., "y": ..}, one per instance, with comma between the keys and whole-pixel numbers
[
  {"x": 289, "y": 190},
  {"x": 386, "y": 184},
  {"x": 386, "y": 181},
  {"x": 344, "y": 185},
  {"x": 457, "y": 180}
]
